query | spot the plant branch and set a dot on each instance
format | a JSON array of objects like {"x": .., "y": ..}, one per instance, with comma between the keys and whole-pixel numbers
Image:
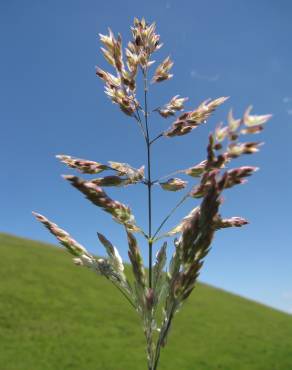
[
  {"x": 124, "y": 294},
  {"x": 149, "y": 183},
  {"x": 170, "y": 214},
  {"x": 166, "y": 176},
  {"x": 163, "y": 334},
  {"x": 139, "y": 121},
  {"x": 156, "y": 138}
]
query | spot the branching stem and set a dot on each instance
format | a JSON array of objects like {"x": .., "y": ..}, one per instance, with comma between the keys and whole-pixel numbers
[
  {"x": 124, "y": 294},
  {"x": 170, "y": 214},
  {"x": 138, "y": 119},
  {"x": 156, "y": 138},
  {"x": 167, "y": 176},
  {"x": 149, "y": 182}
]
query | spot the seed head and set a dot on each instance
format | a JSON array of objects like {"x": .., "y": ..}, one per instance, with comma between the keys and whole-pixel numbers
[
  {"x": 190, "y": 120},
  {"x": 162, "y": 71},
  {"x": 82, "y": 165},
  {"x": 173, "y": 184},
  {"x": 174, "y": 105}
]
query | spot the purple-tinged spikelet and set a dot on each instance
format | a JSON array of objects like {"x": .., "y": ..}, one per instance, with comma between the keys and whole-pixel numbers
[
  {"x": 174, "y": 105},
  {"x": 82, "y": 165},
  {"x": 64, "y": 238},
  {"x": 120, "y": 212},
  {"x": 162, "y": 71},
  {"x": 173, "y": 184},
  {"x": 136, "y": 260},
  {"x": 236, "y": 176},
  {"x": 222, "y": 223},
  {"x": 190, "y": 120}
]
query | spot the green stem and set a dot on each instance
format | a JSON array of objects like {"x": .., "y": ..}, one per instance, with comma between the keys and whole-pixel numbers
[
  {"x": 162, "y": 338},
  {"x": 149, "y": 183},
  {"x": 170, "y": 214},
  {"x": 123, "y": 293},
  {"x": 167, "y": 176}
]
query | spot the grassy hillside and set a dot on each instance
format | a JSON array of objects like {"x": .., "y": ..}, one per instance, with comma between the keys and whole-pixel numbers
[{"x": 55, "y": 316}]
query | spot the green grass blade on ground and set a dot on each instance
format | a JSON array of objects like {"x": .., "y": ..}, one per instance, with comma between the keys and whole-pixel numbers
[{"x": 55, "y": 316}]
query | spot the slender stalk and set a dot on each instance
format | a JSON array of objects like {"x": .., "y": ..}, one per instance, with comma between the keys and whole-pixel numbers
[
  {"x": 156, "y": 138},
  {"x": 139, "y": 121},
  {"x": 149, "y": 182},
  {"x": 170, "y": 214},
  {"x": 163, "y": 335},
  {"x": 166, "y": 176},
  {"x": 124, "y": 294}
]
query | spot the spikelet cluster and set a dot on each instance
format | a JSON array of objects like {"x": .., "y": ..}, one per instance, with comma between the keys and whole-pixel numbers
[
  {"x": 176, "y": 104},
  {"x": 95, "y": 194},
  {"x": 188, "y": 121}
]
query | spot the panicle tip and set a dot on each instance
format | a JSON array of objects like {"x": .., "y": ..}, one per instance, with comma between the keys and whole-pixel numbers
[
  {"x": 62, "y": 156},
  {"x": 39, "y": 217},
  {"x": 100, "y": 236},
  {"x": 68, "y": 177}
]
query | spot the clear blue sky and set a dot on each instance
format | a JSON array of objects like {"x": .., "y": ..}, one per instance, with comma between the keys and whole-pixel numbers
[{"x": 52, "y": 103}]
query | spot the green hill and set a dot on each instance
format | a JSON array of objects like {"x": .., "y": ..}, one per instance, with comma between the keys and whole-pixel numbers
[{"x": 55, "y": 316}]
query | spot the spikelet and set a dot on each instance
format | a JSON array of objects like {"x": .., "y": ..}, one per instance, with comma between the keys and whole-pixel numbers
[
  {"x": 120, "y": 88},
  {"x": 255, "y": 120},
  {"x": 236, "y": 176},
  {"x": 190, "y": 120},
  {"x": 124, "y": 169},
  {"x": 82, "y": 256},
  {"x": 174, "y": 105},
  {"x": 221, "y": 132},
  {"x": 142, "y": 296},
  {"x": 64, "y": 238},
  {"x": 145, "y": 42},
  {"x": 237, "y": 149},
  {"x": 110, "y": 80},
  {"x": 162, "y": 71},
  {"x": 173, "y": 184},
  {"x": 197, "y": 170},
  {"x": 114, "y": 256},
  {"x": 113, "y": 50},
  {"x": 223, "y": 223},
  {"x": 82, "y": 165},
  {"x": 119, "y": 96},
  {"x": 120, "y": 212},
  {"x": 233, "y": 124},
  {"x": 130, "y": 175},
  {"x": 159, "y": 265},
  {"x": 110, "y": 181}
]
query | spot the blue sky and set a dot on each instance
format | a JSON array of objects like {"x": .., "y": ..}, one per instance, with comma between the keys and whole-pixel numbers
[{"x": 52, "y": 103}]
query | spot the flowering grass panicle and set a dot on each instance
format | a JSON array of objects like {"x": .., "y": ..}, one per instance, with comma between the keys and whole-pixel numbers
[{"x": 159, "y": 293}]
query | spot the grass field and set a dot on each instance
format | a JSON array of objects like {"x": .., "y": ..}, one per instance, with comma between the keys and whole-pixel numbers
[{"x": 55, "y": 316}]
